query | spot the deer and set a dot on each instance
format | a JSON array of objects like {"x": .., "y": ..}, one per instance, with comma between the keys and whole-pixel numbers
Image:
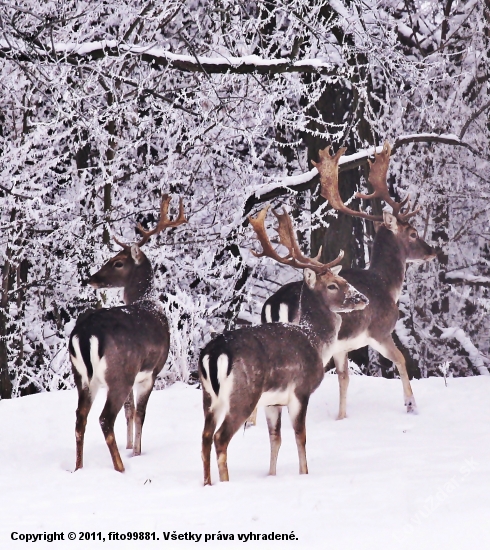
[
  {"x": 273, "y": 365},
  {"x": 122, "y": 347},
  {"x": 396, "y": 243}
]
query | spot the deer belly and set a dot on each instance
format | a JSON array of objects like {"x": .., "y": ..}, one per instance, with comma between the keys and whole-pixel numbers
[
  {"x": 350, "y": 344},
  {"x": 276, "y": 397}
]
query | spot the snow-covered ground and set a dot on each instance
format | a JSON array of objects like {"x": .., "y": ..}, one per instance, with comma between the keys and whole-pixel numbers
[{"x": 379, "y": 479}]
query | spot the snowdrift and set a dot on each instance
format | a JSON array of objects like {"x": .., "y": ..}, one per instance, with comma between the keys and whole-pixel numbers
[{"x": 379, "y": 479}]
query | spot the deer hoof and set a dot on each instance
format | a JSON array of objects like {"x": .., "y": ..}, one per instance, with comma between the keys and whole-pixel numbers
[{"x": 411, "y": 407}]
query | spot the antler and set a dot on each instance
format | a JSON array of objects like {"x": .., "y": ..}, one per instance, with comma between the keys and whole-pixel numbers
[
  {"x": 162, "y": 224},
  {"x": 378, "y": 171},
  {"x": 328, "y": 168},
  {"x": 287, "y": 238}
]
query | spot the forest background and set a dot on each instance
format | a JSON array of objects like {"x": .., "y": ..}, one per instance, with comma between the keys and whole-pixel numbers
[{"x": 104, "y": 106}]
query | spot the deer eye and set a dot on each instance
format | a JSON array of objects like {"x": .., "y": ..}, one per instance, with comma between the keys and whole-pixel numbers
[
  {"x": 332, "y": 287},
  {"x": 413, "y": 235},
  {"x": 118, "y": 264}
]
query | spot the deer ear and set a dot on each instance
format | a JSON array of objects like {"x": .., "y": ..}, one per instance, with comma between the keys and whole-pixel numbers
[
  {"x": 336, "y": 269},
  {"x": 136, "y": 254},
  {"x": 390, "y": 222},
  {"x": 310, "y": 277}
]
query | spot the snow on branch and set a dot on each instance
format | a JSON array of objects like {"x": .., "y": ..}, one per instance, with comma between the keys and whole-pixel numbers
[
  {"x": 466, "y": 277},
  {"x": 475, "y": 356},
  {"x": 160, "y": 58},
  {"x": 302, "y": 182}
]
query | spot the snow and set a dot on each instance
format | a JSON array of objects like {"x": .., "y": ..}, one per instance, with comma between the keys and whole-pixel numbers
[
  {"x": 308, "y": 176},
  {"x": 156, "y": 51},
  {"x": 428, "y": 137},
  {"x": 466, "y": 275},
  {"x": 84, "y": 49},
  {"x": 379, "y": 479},
  {"x": 465, "y": 341}
]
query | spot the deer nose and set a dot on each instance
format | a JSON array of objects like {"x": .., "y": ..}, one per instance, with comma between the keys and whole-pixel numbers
[
  {"x": 361, "y": 299},
  {"x": 92, "y": 281},
  {"x": 434, "y": 253}
]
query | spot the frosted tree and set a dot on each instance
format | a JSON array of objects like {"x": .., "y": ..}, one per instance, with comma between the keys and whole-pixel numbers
[{"x": 104, "y": 106}]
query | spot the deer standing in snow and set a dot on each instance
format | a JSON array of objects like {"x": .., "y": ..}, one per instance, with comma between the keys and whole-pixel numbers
[
  {"x": 121, "y": 347},
  {"x": 277, "y": 364},
  {"x": 396, "y": 243}
]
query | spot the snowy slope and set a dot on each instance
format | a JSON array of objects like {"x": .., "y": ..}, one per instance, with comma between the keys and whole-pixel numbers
[{"x": 379, "y": 479}]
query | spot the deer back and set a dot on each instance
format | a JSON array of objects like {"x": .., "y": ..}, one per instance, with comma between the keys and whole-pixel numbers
[
  {"x": 140, "y": 330},
  {"x": 241, "y": 365}
]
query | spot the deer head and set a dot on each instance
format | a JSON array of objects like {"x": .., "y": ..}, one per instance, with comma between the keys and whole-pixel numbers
[
  {"x": 397, "y": 223},
  {"x": 130, "y": 269},
  {"x": 323, "y": 278}
]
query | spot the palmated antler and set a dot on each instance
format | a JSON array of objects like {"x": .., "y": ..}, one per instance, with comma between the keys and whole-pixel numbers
[
  {"x": 328, "y": 168},
  {"x": 378, "y": 171},
  {"x": 287, "y": 238},
  {"x": 162, "y": 224}
]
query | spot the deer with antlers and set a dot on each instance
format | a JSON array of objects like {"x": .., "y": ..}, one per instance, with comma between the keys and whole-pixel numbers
[
  {"x": 396, "y": 243},
  {"x": 124, "y": 347},
  {"x": 277, "y": 364}
]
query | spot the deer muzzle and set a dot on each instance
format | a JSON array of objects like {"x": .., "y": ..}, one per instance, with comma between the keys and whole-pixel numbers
[
  {"x": 354, "y": 299},
  {"x": 95, "y": 281}
]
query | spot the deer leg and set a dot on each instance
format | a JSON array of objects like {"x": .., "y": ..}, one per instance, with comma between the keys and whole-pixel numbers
[
  {"x": 273, "y": 416},
  {"x": 129, "y": 412},
  {"x": 84, "y": 404},
  {"x": 143, "y": 391},
  {"x": 252, "y": 419},
  {"x": 297, "y": 412},
  {"x": 107, "y": 418},
  {"x": 342, "y": 368},
  {"x": 222, "y": 439},
  {"x": 207, "y": 442},
  {"x": 388, "y": 349}
]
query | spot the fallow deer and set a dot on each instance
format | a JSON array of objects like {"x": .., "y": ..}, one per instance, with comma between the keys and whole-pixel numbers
[
  {"x": 273, "y": 365},
  {"x": 122, "y": 347},
  {"x": 396, "y": 243}
]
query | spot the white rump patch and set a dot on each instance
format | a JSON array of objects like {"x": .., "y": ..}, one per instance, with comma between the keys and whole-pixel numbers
[
  {"x": 205, "y": 364},
  {"x": 223, "y": 362},
  {"x": 99, "y": 364},
  {"x": 283, "y": 313},
  {"x": 78, "y": 363},
  {"x": 220, "y": 404},
  {"x": 268, "y": 313}
]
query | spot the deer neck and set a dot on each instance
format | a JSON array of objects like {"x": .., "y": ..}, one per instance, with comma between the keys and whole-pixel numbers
[
  {"x": 140, "y": 285},
  {"x": 389, "y": 260},
  {"x": 321, "y": 324}
]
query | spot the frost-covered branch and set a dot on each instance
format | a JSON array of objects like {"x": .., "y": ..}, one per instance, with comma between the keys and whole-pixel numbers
[
  {"x": 474, "y": 354},
  {"x": 463, "y": 276},
  {"x": 160, "y": 58},
  {"x": 305, "y": 181}
]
